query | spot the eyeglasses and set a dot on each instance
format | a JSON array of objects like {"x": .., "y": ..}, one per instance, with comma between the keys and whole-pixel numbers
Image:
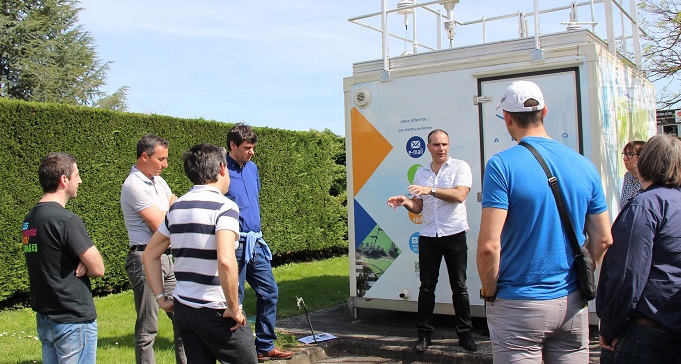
[{"x": 629, "y": 155}]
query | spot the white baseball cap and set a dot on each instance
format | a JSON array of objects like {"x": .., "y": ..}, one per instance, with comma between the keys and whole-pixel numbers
[{"x": 519, "y": 92}]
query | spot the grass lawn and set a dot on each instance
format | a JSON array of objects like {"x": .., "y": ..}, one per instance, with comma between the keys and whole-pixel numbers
[{"x": 321, "y": 284}]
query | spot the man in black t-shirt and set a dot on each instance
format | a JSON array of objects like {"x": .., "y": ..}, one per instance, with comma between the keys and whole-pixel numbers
[{"x": 61, "y": 259}]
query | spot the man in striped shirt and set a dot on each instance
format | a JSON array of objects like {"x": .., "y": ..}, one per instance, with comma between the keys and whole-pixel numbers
[{"x": 203, "y": 227}]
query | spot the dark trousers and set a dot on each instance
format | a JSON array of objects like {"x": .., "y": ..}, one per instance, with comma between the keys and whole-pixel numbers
[
  {"x": 643, "y": 345},
  {"x": 207, "y": 336},
  {"x": 431, "y": 251}
]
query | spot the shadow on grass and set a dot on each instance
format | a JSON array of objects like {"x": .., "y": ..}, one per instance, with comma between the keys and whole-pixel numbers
[{"x": 128, "y": 341}]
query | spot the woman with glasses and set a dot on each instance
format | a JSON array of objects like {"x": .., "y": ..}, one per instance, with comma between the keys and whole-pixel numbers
[{"x": 631, "y": 185}]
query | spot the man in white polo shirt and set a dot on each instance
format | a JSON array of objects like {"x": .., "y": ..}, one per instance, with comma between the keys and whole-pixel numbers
[
  {"x": 145, "y": 198},
  {"x": 439, "y": 195}
]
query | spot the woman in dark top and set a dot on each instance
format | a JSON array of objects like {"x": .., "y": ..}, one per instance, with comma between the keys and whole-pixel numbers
[{"x": 639, "y": 291}]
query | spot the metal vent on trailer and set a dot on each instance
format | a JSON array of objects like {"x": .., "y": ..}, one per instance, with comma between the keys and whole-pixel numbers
[{"x": 362, "y": 98}]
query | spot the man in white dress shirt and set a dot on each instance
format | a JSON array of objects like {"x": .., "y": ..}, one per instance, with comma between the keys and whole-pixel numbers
[{"x": 439, "y": 195}]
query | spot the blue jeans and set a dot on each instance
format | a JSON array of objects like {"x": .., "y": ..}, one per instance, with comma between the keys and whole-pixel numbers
[
  {"x": 258, "y": 274},
  {"x": 643, "y": 344},
  {"x": 455, "y": 252},
  {"x": 207, "y": 337},
  {"x": 67, "y": 343}
]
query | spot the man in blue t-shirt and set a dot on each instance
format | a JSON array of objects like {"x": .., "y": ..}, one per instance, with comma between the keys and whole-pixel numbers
[
  {"x": 252, "y": 253},
  {"x": 535, "y": 310}
]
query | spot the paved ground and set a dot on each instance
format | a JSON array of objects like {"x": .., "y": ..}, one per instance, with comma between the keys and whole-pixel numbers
[{"x": 379, "y": 336}]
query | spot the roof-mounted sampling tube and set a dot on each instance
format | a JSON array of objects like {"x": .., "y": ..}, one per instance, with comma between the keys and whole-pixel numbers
[
  {"x": 537, "y": 41},
  {"x": 537, "y": 54},
  {"x": 450, "y": 23}
]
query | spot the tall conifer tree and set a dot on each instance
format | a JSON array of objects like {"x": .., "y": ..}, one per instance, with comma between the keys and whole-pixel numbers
[{"x": 46, "y": 57}]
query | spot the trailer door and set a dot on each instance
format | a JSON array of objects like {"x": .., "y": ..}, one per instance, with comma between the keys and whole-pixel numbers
[{"x": 562, "y": 122}]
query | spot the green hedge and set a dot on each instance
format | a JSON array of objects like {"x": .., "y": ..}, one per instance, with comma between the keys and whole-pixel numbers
[{"x": 303, "y": 180}]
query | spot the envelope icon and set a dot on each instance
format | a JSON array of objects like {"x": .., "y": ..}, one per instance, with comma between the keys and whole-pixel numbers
[{"x": 416, "y": 144}]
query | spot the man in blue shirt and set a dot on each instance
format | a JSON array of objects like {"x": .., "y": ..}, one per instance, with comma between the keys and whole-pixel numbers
[
  {"x": 534, "y": 309},
  {"x": 253, "y": 254}
]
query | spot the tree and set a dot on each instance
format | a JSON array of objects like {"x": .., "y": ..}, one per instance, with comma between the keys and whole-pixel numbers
[
  {"x": 662, "y": 48},
  {"x": 46, "y": 57}
]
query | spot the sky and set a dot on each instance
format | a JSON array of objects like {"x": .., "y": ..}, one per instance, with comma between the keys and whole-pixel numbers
[{"x": 279, "y": 64}]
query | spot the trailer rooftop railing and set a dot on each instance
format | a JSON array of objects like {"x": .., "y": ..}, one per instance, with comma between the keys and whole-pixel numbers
[{"x": 614, "y": 21}]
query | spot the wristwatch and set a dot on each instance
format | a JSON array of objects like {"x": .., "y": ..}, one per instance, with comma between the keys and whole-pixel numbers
[
  {"x": 487, "y": 298},
  {"x": 433, "y": 190},
  {"x": 159, "y": 296}
]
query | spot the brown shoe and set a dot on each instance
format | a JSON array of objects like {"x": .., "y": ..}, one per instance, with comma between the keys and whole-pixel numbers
[{"x": 275, "y": 354}]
